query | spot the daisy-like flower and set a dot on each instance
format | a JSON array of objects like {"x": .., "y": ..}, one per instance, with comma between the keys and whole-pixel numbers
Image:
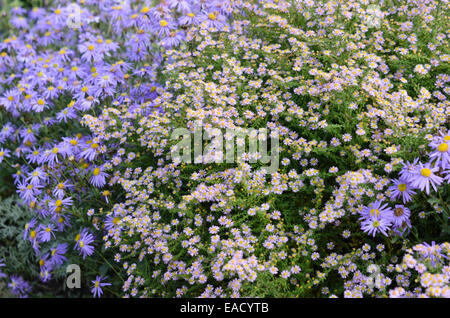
[
  {"x": 57, "y": 205},
  {"x": 46, "y": 232},
  {"x": 401, "y": 188},
  {"x": 376, "y": 210},
  {"x": 36, "y": 177},
  {"x": 424, "y": 176},
  {"x": 97, "y": 286},
  {"x": 84, "y": 241},
  {"x": 376, "y": 225},
  {"x": 98, "y": 178},
  {"x": 441, "y": 154},
  {"x": 400, "y": 216},
  {"x": 90, "y": 152},
  {"x": 57, "y": 254},
  {"x": 409, "y": 169},
  {"x": 19, "y": 286},
  {"x": 4, "y": 153}
]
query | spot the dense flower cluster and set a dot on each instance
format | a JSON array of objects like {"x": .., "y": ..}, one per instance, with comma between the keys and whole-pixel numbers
[{"x": 93, "y": 93}]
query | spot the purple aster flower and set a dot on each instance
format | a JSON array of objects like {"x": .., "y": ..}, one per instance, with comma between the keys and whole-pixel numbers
[
  {"x": 376, "y": 210},
  {"x": 84, "y": 239},
  {"x": 111, "y": 222},
  {"x": 189, "y": 19},
  {"x": 213, "y": 20},
  {"x": 36, "y": 177},
  {"x": 57, "y": 205},
  {"x": 375, "y": 225},
  {"x": 90, "y": 151},
  {"x": 28, "y": 135},
  {"x": 400, "y": 216},
  {"x": 441, "y": 155},
  {"x": 424, "y": 176},
  {"x": 180, "y": 5},
  {"x": 57, "y": 254},
  {"x": 98, "y": 178},
  {"x": 163, "y": 27},
  {"x": 6, "y": 132},
  {"x": 409, "y": 169},
  {"x": 90, "y": 51},
  {"x": 28, "y": 192},
  {"x": 61, "y": 189},
  {"x": 29, "y": 226},
  {"x": 401, "y": 188},
  {"x": 19, "y": 22},
  {"x": 97, "y": 287},
  {"x": 46, "y": 232},
  {"x": 66, "y": 114},
  {"x": 45, "y": 275},
  {"x": 10, "y": 100},
  {"x": 4, "y": 153},
  {"x": 173, "y": 39},
  {"x": 19, "y": 286}
]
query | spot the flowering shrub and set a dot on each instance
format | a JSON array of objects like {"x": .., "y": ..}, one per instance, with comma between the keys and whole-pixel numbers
[{"x": 355, "y": 96}]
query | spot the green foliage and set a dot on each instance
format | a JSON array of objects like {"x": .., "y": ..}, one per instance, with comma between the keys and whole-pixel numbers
[{"x": 18, "y": 253}]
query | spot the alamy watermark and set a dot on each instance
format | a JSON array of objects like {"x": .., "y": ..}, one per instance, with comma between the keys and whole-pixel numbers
[
  {"x": 375, "y": 277},
  {"x": 373, "y": 16},
  {"x": 73, "y": 280},
  {"x": 258, "y": 146},
  {"x": 74, "y": 16}
]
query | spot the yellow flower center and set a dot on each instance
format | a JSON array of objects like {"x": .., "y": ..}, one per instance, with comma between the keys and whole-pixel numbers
[
  {"x": 442, "y": 147},
  {"x": 163, "y": 23},
  {"x": 40, "y": 102},
  {"x": 41, "y": 262},
  {"x": 96, "y": 171},
  {"x": 116, "y": 220},
  {"x": 191, "y": 15},
  {"x": 33, "y": 234},
  {"x": 425, "y": 172},
  {"x": 402, "y": 187},
  {"x": 77, "y": 238},
  {"x": 58, "y": 203},
  {"x": 94, "y": 145},
  {"x": 447, "y": 138},
  {"x": 212, "y": 16},
  {"x": 55, "y": 150},
  {"x": 374, "y": 211},
  {"x": 145, "y": 10},
  {"x": 376, "y": 223},
  {"x": 90, "y": 47}
]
